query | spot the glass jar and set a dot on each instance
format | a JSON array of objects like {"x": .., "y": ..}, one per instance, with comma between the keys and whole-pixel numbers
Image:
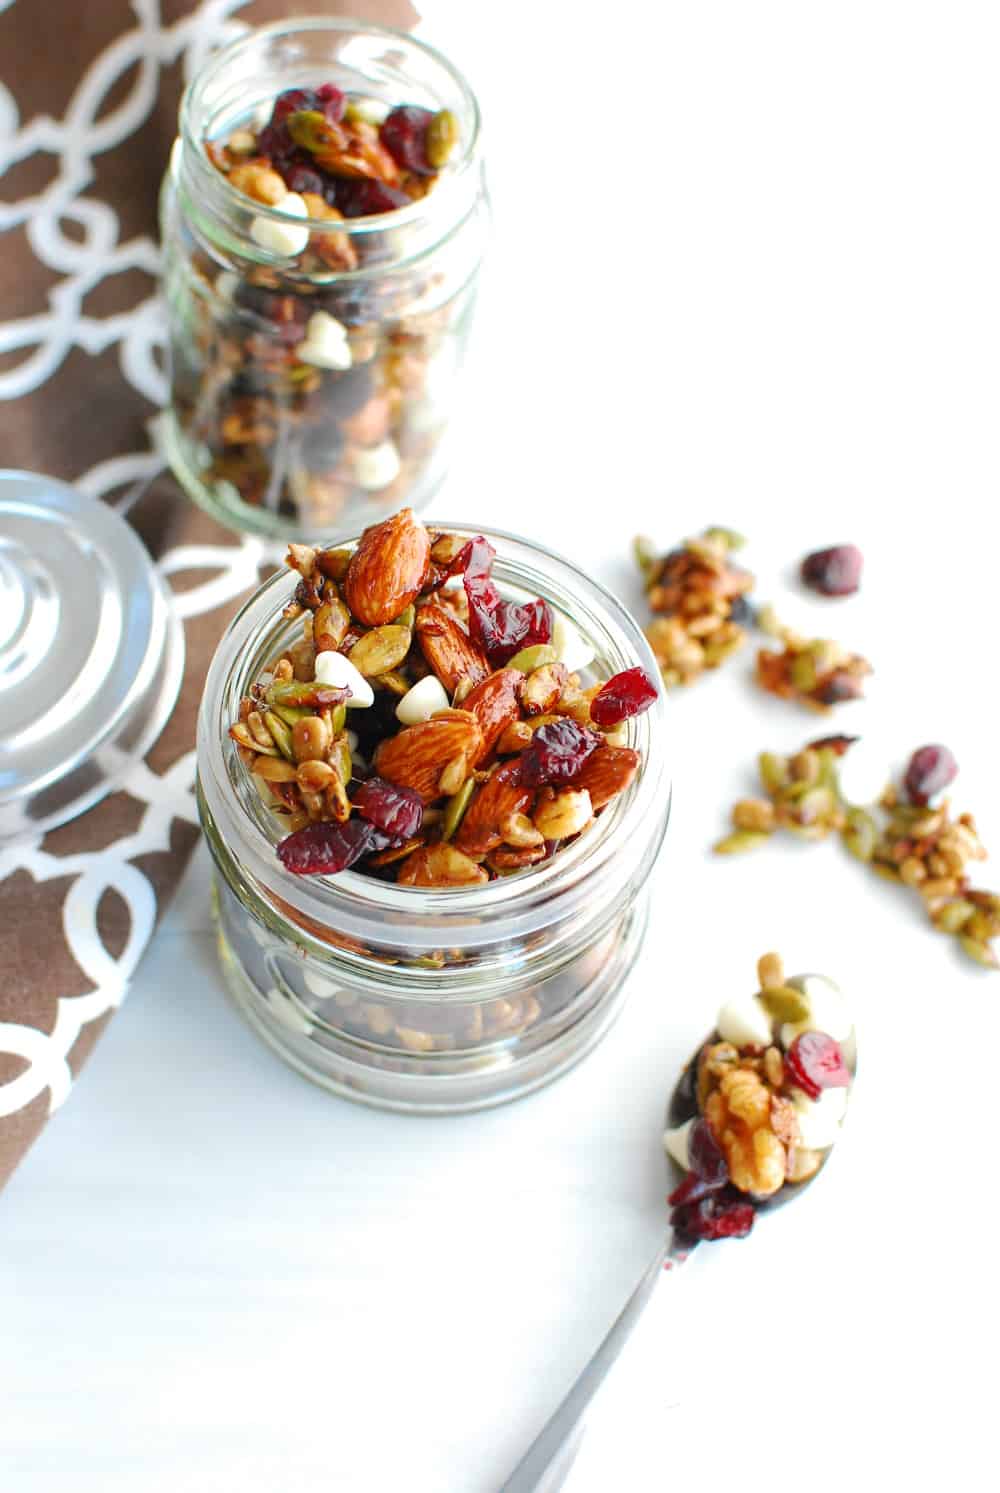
[
  {"x": 268, "y": 441},
  {"x": 432, "y": 1000}
]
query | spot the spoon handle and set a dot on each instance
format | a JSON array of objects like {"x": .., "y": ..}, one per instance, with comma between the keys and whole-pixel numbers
[{"x": 530, "y": 1473}]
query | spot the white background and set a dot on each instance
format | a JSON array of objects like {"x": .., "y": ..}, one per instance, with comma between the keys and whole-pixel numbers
[{"x": 745, "y": 271}]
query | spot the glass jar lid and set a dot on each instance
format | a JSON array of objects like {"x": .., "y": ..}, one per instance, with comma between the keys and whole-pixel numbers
[{"x": 91, "y": 653}]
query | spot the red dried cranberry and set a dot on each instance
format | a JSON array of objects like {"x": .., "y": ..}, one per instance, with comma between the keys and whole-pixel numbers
[
  {"x": 815, "y": 1062},
  {"x": 404, "y": 133},
  {"x": 324, "y": 849},
  {"x": 501, "y": 628},
  {"x": 930, "y": 769},
  {"x": 332, "y": 101},
  {"x": 721, "y": 1215},
  {"x": 557, "y": 752},
  {"x": 835, "y": 571},
  {"x": 624, "y": 695},
  {"x": 838, "y": 687},
  {"x": 290, "y": 102},
  {"x": 364, "y": 197},
  {"x": 838, "y": 745},
  {"x": 304, "y": 179},
  {"x": 707, "y": 1167},
  {"x": 398, "y": 812}
]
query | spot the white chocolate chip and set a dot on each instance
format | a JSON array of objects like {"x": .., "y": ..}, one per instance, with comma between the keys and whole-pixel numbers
[
  {"x": 376, "y": 466},
  {"x": 744, "y": 1023},
  {"x": 283, "y": 238},
  {"x": 819, "y": 1119},
  {"x": 326, "y": 344},
  {"x": 675, "y": 1143},
  {"x": 828, "y": 1010},
  {"x": 420, "y": 703},
  {"x": 336, "y": 670},
  {"x": 371, "y": 110},
  {"x": 571, "y": 646}
]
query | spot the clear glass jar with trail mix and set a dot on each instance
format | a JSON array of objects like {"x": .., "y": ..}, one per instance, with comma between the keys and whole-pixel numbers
[
  {"x": 465, "y": 958},
  {"x": 323, "y": 219}
]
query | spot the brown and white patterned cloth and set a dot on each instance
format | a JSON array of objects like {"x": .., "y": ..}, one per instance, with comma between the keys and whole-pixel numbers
[{"x": 85, "y": 131}]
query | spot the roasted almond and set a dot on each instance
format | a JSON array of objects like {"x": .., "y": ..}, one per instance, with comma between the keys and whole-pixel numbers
[
  {"x": 440, "y": 865},
  {"x": 494, "y": 704},
  {"x": 448, "y": 648},
  {"x": 418, "y": 755},
  {"x": 503, "y": 794},
  {"x": 387, "y": 569},
  {"x": 606, "y": 773}
]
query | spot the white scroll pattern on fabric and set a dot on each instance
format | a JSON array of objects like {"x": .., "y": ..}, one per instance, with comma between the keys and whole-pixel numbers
[{"x": 138, "y": 333}]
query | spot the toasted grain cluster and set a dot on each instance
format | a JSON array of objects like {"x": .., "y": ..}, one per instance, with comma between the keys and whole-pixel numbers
[{"x": 699, "y": 596}]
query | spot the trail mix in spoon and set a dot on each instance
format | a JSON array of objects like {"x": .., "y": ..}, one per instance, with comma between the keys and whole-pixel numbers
[
  {"x": 759, "y": 1108},
  {"x": 428, "y": 732}
]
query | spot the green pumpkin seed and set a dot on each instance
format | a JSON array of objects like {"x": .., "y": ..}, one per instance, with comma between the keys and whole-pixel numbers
[
  {"x": 454, "y": 809},
  {"x": 533, "y": 658},
  {"x": 953, "y": 916},
  {"x": 291, "y": 713},
  {"x": 646, "y": 556},
  {"x": 441, "y": 138},
  {"x": 280, "y": 734},
  {"x": 981, "y": 952},
  {"x": 861, "y": 834},
  {"x": 407, "y": 617},
  {"x": 341, "y": 759},
  {"x": 784, "y": 1003},
  {"x": 773, "y": 771},
  {"x": 728, "y": 537},
  {"x": 803, "y": 673},
  {"x": 381, "y": 649},
  {"x": 310, "y": 129},
  {"x": 338, "y": 719},
  {"x": 742, "y": 839}
]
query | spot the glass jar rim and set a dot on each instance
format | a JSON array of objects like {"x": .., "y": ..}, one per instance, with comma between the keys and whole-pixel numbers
[
  {"x": 210, "y": 179},
  {"x": 350, "y": 902}
]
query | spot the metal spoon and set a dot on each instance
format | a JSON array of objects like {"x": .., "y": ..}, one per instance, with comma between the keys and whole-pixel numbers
[{"x": 547, "y": 1462}]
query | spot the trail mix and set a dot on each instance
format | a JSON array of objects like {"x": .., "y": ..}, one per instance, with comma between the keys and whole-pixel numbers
[
  {"x": 700, "y": 598},
  {"x": 427, "y": 734},
  {"x": 302, "y": 391},
  {"x": 815, "y": 672},
  {"x": 909, "y": 835},
  {"x": 761, "y": 1105}
]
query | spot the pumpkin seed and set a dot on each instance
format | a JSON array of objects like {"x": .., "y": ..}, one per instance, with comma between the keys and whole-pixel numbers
[
  {"x": 861, "y": 834},
  {"x": 440, "y": 138},
  {"x": 330, "y": 625},
  {"x": 773, "y": 771},
  {"x": 395, "y": 682},
  {"x": 340, "y": 758},
  {"x": 727, "y": 537},
  {"x": 980, "y": 951},
  {"x": 381, "y": 650},
  {"x": 742, "y": 839},
  {"x": 646, "y": 556},
  {"x": 407, "y": 617},
  {"x": 454, "y": 809},
  {"x": 785, "y": 1003},
  {"x": 533, "y": 658},
  {"x": 338, "y": 719},
  {"x": 953, "y": 916},
  {"x": 280, "y": 734},
  {"x": 310, "y": 129},
  {"x": 291, "y": 713}
]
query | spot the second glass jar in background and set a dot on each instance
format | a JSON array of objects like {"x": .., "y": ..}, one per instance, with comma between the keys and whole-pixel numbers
[{"x": 269, "y": 442}]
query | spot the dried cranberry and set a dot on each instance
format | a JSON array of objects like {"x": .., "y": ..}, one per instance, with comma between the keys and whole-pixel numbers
[
  {"x": 501, "y": 628},
  {"x": 304, "y": 179},
  {"x": 930, "y": 769},
  {"x": 557, "y": 752},
  {"x": 838, "y": 687},
  {"x": 290, "y": 102},
  {"x": 398, "y": 812},
  {"x": 833, "y": 572},
  {"x": 332, "y": 101},
  {"x": 815, "y": 1062},
  {"x": 838, "y": 745},
  {"x": 364, "y": 197},
  {"x": 404, "y": 133},
  {"x": 721, "y": 1215},
  {"x": 624, "y": 695},
  {"x": 323, "y": 849},
  {"x": 707, "y": 1167}
]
